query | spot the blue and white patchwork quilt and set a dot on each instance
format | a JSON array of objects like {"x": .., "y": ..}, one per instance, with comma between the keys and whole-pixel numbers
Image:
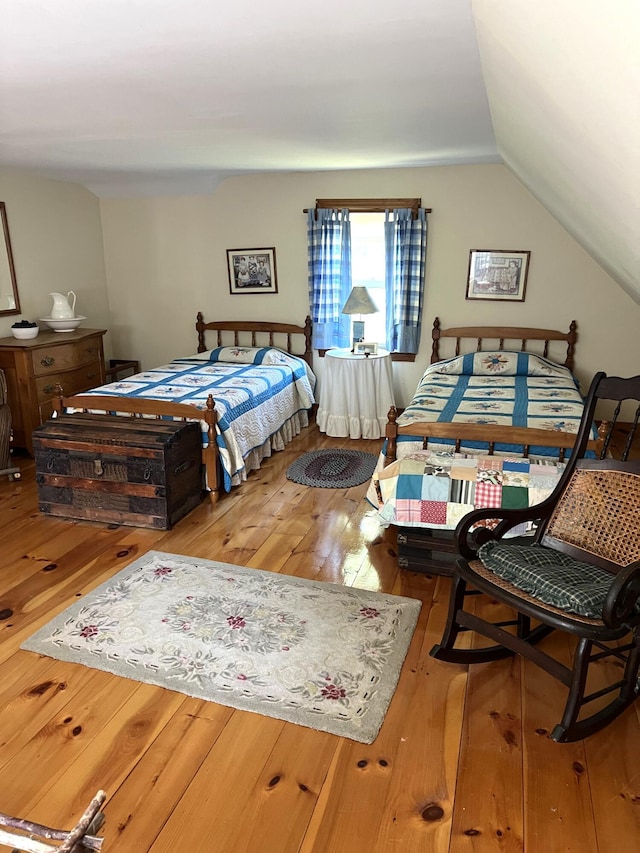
[
  {"x": 257, "y": 391},
  {"x": 501, "y": 388},
  {"x": 437, "y": 487}
]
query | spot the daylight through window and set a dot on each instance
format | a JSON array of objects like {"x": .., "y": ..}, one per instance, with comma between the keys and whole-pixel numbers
[{"x": 367, "y": 268}]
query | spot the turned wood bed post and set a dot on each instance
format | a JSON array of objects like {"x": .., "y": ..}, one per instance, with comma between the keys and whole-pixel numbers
[
  {"x": 210, "y": 454},
  {"x": 200, "y": 331},
  {"x": 435, "y": 336},
  {"x": 308, "y": 332},
  {"x": 571, "y": 344},
  {"x": 391, "y": 433}
]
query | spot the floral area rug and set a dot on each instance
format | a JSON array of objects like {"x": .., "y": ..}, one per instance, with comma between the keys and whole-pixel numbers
[
  {"x": 317, "y": 654},
  {"x": 333, "y": 469}
]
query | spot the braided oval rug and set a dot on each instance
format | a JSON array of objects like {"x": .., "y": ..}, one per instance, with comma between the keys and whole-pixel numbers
[{"x": 333, "y": 469}]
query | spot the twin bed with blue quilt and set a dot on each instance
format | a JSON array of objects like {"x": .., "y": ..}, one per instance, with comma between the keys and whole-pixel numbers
[
  {"x": 483, "y": 428},
  {"x": 251, "y": 396}
]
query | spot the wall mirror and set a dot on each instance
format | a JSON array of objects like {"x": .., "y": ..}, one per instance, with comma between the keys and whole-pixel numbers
[{"x": 9, "y": 300}]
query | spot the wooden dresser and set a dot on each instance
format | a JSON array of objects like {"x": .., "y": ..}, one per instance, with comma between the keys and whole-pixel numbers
[{"x": 33, "y": 368}]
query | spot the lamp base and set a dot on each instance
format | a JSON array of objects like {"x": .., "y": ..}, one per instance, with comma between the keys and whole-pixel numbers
[{"x": 357, "y": 333}]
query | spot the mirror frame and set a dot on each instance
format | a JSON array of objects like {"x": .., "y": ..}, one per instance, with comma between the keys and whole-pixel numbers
[{"x": 12, "y": 269}]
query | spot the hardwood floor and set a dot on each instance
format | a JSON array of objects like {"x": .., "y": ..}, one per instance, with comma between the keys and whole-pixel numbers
[{"x": 462, "y": 763}]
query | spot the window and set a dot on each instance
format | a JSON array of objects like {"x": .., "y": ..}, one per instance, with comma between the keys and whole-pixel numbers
[{"x": 376, "y": 243}]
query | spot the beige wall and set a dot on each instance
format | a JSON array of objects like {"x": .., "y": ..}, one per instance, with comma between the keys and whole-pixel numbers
[
  {"x": 56, "y": 236},
  {"x": 166, "y": 259}
]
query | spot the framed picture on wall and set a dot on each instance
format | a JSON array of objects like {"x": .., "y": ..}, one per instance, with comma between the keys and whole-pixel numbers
[
  {"x": 497, "y": 274},
  {"x": 252, "y": 270}
]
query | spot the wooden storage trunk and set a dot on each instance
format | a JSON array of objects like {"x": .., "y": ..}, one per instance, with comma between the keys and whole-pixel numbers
[{"x": 118, "y": 470}]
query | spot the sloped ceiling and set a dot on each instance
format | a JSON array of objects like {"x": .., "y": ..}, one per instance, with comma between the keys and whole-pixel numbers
[
  {"x": 563, "y": 82},
  {"x": 157, "y": 96},
  {"x": 149, "y": 97}
]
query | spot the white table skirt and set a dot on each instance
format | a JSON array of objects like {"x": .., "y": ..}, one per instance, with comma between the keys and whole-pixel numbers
[{"x": 356, "y": 394}]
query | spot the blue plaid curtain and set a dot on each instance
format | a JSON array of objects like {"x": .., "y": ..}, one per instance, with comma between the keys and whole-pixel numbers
[
  {"x": 329, "y": 261},
  {"x": 405, "y": 252}
]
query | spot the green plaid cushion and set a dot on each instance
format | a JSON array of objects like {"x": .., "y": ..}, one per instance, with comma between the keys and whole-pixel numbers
[{"x": 549, "y": 575}]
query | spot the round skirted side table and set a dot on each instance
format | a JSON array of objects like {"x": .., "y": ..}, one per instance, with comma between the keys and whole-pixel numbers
[{"x": 356, "y": 393}]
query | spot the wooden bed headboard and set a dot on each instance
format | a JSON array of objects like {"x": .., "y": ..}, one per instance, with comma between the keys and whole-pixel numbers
[
  {"x": 502, "y": 334},
  {"x": 287, "y": 336}
]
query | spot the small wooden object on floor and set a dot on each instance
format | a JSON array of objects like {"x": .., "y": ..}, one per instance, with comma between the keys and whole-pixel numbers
[
  {"x": 429, "y": 552},
  {"x": 5, "y": 433},
  {"x": 78, "y": 840},
  {"x": 432, "y": 551},
  {"x": 144, "y": 473},
  {"x": 121, "y": 365}
]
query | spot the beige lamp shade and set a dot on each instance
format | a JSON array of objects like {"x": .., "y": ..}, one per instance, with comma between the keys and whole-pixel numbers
[{"x": 359, "y": 302}]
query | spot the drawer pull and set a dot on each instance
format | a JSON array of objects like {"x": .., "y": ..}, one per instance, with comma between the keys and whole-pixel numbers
[
  {"x": 91, "y": 376},
  {"x": 97, "y": 467},
  {"x": 49, "y": 389},
  {"x": 47, "y": 361},
  {"x": 183, "y": 466},
  {"x": 90, "y": 350},
  {"x": 147, "y": 473}
]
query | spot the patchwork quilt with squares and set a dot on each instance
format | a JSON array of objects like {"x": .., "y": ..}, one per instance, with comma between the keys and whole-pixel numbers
[{"x": 436, "y": 489}]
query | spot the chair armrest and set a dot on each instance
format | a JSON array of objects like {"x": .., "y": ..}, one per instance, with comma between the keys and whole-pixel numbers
[
  {"x": 622, "y": 597},
  {"x": 468, "y": 542}
]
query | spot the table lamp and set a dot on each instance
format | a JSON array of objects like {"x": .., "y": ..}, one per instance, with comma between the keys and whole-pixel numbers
[{"x": 359, "y": 302}]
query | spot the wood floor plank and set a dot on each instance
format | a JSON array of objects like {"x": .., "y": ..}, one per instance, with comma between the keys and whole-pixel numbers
[
  {"x": 234, "y": 763},
  {"x": 612, "y": 766},
  {"x": 278, "y": 808},
  {"x": 141, "y": 805},
  {"x": 60, "y": 741},
  {"x": 130, "y": 721},
  {"x": 36, "y": 601},
  {"x": 46, "y": 690},
  {"x": 488, "y": 817},
  {"x": 555, "y": 782}
]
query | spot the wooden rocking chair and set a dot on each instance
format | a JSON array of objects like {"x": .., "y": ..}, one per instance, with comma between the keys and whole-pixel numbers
[{"x": 580, "y": 574}]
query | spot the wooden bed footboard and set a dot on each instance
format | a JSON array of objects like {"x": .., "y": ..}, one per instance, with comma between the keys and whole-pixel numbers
[
  {"x": 135, "y": 407},
  {"x": 492, "y": 434}
]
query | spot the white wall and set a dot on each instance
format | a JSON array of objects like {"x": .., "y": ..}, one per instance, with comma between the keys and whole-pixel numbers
[
  {"x": 166, "y": 260},
  {"x": 56, "y": 237}
]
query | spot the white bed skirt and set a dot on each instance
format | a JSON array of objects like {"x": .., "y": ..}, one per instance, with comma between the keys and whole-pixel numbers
[{"x": 278, "y": 441}]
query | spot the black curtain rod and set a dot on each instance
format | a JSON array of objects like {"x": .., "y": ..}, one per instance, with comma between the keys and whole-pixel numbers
[{"x": 372, "y": 210}]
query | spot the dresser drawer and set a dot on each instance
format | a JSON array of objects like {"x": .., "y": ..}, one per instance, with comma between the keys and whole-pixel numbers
[
  {"x": 73, "y": 381},
  {"x": 51, "y": 360}
]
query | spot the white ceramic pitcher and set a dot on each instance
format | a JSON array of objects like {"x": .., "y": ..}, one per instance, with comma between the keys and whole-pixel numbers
[{"x": 63, "y": 308}]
